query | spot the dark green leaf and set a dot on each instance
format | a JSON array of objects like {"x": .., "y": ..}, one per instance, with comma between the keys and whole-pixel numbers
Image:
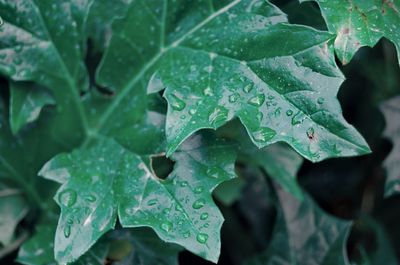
[
  {"x": 26, "y": 103},
  {"x": 215, "y": 66},
  {"x": 360, "y": 23},
  {"x": 39, "y": 249},
  {"x": 179, "y": 209},
  {"x": 391, "y": 110},
  {"x": 147, "y": 248},
  {"x": 13, "y": 208},
  {"x": 305, "y": 234}
]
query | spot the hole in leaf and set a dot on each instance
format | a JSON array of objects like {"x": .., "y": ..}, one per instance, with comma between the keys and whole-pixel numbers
[{"x": 162, "y": 166}]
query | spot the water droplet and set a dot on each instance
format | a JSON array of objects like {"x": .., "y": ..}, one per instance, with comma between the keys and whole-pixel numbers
[
  {"x": 184, "y": 183},
  {"x": 278, "y": 112},
  {"x": 297, "y": 118},
  {"x": 234, "y": 97},
  {"x": 70, "y": 221},
  {"x": 90, "y": 198},
  {"x": 213, "y": 172},
  {"x": 18, "y": 48},
  {"x": 320, "y": 101},
  {"x": 198, "y": 190},
  {"x": 202, "y": 238},
  {"x": 208, "y": 91},
  {"x": 247, "y": 88},
  {"x": 166, "y": 211},
  {"x": 192, "y": 111},
  {"x": 183, "y": 117},
  {"x": 177, "y": 103},
  {"x": 67, "y": 231},
  {"x": 204, "y": 216},
  {"x": 186, "y": 234},
  {"x": 67, "y": 197},
  {"x": 199, "y": 204},
  {"x": 264, "y": 134},
  {"x": 218, "y": 115},
  {"x": 166, "y": 226},
  {"x": 289, "y": 112},
  {"x": 257, "y": 100},
  {"x": 152, "y": 202}
]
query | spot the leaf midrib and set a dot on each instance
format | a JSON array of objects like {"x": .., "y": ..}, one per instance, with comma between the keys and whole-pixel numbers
[{"x": 127, "y": 88}]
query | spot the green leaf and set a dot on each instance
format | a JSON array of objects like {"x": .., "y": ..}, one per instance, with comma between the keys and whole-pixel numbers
[
  {"x": 305, "y": 234},
  {"x": 360, "y": 23},
  {"x": 384, "y": 252},
  {"x": 216, "y": 66},
  {"x": 38, "y": 250},
  {"x": 13, "y": 209},
  {"x": 26, "y": 103},
  {"x": 44, "y": 43},
  {"x": 146, "y": 248},
  {"x": 180, "y": 209},
  {"x": 391, "y": 111}
]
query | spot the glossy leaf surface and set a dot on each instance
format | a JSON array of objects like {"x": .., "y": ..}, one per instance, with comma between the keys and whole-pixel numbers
[
  {"x": 179, "y": 209},
  {"x": 38, "y": 250},
  {"x": 224, "y": 62},
  {"x": 360, "y": 23}
]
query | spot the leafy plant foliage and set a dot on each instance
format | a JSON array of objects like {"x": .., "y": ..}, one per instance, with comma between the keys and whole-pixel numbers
[{"x": 119, "y": 120}]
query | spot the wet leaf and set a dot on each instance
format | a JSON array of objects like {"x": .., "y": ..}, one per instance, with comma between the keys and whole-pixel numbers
[
  {"x": 38, "y": 250},
  {"x": 179, "y": 209},
  {"x": 216, "y": 66},
  {"x": 360, "y": 23}
]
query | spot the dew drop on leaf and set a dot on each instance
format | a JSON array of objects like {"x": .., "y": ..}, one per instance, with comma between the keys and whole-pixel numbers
[
  {"x": 90, "y": 198},
  {"x": 204, "y": 216},
  {"x": 202, "y": 238},
  {"x": 234, "y": 97},
  {"x": 184, "y": 183},
  {"x": 177, "y": 103},
  {"x": 166, "y": 226},
  {"x": 67, "y": 231},
  {"x": 247, "y": 88},
  {"x": 257, "y": 100},
  {"x": 152, "y": 202},
  {"x": 289, "y": 112},
  {"x": 218, "y": 115},
  {"x": 67, "y": 197},
  {"x": 213, "y": 172},
  {"x": 198, "y": 190},
  {"x": 320, "y": 101},
  {"x": 199, "y": 204},
  {"x": 186, "y": 234},
  {"x": 264, "y": 134},
  {"x": 208, "y": 91}
]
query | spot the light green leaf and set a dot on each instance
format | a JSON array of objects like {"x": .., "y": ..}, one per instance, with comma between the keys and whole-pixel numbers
[
  {"x": 13, "y": 209},
  {"x": 180, "y": 209},
  {"x": 305, "y": 234},
  {"x": 391, "y": 111},
  {"x": 38, "y": 250},
  {"x": 26, "y": 103},
  {"x": 360, "y": 23},
  {"x": 218, "y": 61}
]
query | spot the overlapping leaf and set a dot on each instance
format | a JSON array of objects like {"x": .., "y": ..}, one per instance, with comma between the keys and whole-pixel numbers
[
  {"x": 220, "y": 60},
  {"x": 146, "y": 248},
  {"x": 26, "y": 103},
  {"x": 360, "y": 23},
  {"x": 179, "y": 209},
  {"x": 38, "y": 250},
  {"x": 305, "y": 234},
  {"x": 391, "y": 110}
]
